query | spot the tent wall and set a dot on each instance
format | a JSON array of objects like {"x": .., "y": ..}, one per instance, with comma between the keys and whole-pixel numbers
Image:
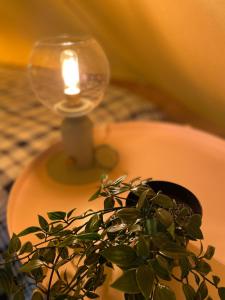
[{"x": 176, "y": 45}]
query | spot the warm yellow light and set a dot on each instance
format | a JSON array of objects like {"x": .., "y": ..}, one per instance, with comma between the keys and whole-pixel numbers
[{"x": 70, "y": 72}]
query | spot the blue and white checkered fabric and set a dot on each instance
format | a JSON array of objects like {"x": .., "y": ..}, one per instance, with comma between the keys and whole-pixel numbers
[{"x": 27, "y": 127}]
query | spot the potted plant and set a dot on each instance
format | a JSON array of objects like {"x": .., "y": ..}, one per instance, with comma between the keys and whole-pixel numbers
[{"x": 142, "y": 230}]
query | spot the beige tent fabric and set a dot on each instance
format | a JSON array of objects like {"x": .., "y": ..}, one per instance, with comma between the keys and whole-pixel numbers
[{"x": 176, "y": 45}]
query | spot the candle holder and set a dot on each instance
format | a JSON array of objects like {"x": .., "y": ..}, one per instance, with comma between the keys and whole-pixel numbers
[{"x": 69, "y": 75}]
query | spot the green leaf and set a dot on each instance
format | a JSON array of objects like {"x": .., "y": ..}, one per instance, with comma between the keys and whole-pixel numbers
[
  {"x": 5, "y": 281},
  {"x": 163, "y": 262},
  {"x": 164, "y": 217},
  {"x": 189, "y": 292},
  {"x": 37, "y": 296},
  {"x": 56, "y": 287},
  {"x": 63, "y": 233},
  {"x": 127, "y": 283},
  {"x": 135, "y": 228},
  {"x": 120, "y": 203},
  {"x": 151, "y": 226},
  {"x": 31, "y": 265},
  {"x": 197, "y": 279},
  {"x": 27, "y": 247},
  {"x": 40, "y": 235},
  {"x": 184, "y": 266},
  {"x": 163, "y": 201},
  {"x": 92, "y": 258},
  {"x": 56, "y": 215},
  {"x": 142, "y": 198},
  {"x": 193, "y": 227},
  {"x": 117, "y": 227},
  {"x": 216, "y": 279},
  {"x": 203, "y": 267},
  {"x": 173, "y": 250},
  {"x": 92, "y": 295},
  {"x": 109, "y": 202},
  {"x": 68, "y": 241},
  {"x": 19, "y": 295},
  {"x": 171, "y": 230},
  {"x": 81, "y": 270},
  {"x": 64, "y": 253},
  {"x": 209, "y": 252},
  {"x": 56, "y": 230},
  {"x": 29, "y": 230},
  {"x": 95, "y": 195},
  {"x": 221, "y": 292},
  {"x": 159, "y": 270},
  {"x": 93, "y": 224},
  {"x": 68, "y": 215},
  {"x": 119, "y": 180},
  {"x": 103, "y": 177},
  {"x": 49, "y": 255},
  {"x": 202, "y": 291},
  {"x": 142, "y": 247},
  {"x": 43, "y": 223},
  {"x": 38, "y": 274},
  {"x": 92, "y": 236},
  {"x": 163, "y": 292},
  {"x": 121, "y": 255},
  {"x": 145, "y": 280},
  {"x": 128, "y": 215},
  {"x": 14, "y": 244},
  {"x": 162, "y": 239}
]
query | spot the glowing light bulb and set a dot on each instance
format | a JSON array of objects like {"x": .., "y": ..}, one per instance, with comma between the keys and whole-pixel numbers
[{"x": 70, "y": 72}]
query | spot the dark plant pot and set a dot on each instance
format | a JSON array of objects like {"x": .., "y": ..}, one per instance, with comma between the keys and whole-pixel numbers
[{"x": 174, "y": 191}]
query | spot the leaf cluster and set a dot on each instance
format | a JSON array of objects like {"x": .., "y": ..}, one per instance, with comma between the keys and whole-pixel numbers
[{"x": 148, "y": 241}]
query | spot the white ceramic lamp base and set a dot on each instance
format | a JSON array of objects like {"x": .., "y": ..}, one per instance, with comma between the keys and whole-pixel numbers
[{"x": 80, "y": 161}]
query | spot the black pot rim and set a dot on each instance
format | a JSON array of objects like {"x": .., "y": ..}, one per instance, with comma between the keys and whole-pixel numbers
[{"x": 174, "y": 190}]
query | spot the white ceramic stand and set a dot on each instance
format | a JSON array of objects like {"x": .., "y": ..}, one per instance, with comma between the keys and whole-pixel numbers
[{"x": 77, "y": 135}]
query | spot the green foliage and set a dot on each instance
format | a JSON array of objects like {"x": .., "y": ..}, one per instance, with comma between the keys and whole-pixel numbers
[
  {"x": 26, "y": 248},
  {"x": 5, "y": 281},
  {"x": 216, "y": 280},
  {"x": 145, "y": 279},
  {"x": 31, "y": 265},
  {"x": 127, "y": 282},
  {"x": 209, "y": 252},
  {"x": 147, "y": 241},
  {"x": 19, "y": 295},
  {"x": 193, "y": 227},
  {"x": 43, "y": 223},
  {"x": 56, "y": 215},
  {"x": 37, "y": 296},
  {"x": 14, "y": 244},
  {"x": 163, "y": 292},
  {"x": 189, "y": 292},
  {"x": 29, "y": 230},
  {"x": 202, "y": 291},
  {"x": 120, "y": 255},
  {"x": 221, "y": 292}
]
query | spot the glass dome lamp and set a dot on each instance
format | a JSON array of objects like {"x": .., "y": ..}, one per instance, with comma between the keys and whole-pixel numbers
[{"x": 69, "y": 75}]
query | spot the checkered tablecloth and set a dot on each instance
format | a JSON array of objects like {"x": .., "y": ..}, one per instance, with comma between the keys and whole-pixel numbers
[{"x": 27, "y": 127}]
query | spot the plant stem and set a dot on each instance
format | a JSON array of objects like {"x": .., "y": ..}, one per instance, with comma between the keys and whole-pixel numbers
[
  {"x": 176, "y": 278},
  {"x": 205, "y": 278},
  {"x": 51, "y": 276}
]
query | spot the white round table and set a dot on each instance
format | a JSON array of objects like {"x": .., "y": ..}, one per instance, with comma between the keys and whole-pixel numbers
[{"x": 162, "y": 151}]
